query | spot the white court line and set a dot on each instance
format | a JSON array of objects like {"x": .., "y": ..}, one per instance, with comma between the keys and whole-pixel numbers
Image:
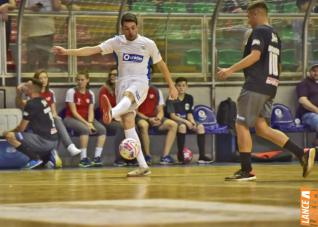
[{"x": 145, "y": 211}]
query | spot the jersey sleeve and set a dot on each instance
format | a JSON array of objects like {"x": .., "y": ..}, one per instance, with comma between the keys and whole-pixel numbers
[
  {"x": 70, "y": 95},
  {"x": 28, "y": 111},
  {"x": 154, "y": 52},
  {"x": 258, "y": 41},
  {"x": 161, "y": 99},
  {"x": 108, "y": 46}
]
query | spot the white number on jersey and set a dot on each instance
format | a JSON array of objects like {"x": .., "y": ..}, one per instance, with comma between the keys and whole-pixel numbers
[{"x": 273, "y": 60}]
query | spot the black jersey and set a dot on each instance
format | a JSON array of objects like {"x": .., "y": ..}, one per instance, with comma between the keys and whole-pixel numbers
[
  {"x": 263, "y": 76},
  {"x": 180, "y": 107},
  {"x": 39, "y": 115}
]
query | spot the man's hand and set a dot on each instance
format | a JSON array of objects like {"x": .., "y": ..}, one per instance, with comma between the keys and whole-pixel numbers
[
  {"x": 154, "y": 121},
  {"x": 173, "y": 92},
  {"x": 59, "y": 50},
  {"x": 22, "y": 88},
  {"x": 224, "y": 73}
]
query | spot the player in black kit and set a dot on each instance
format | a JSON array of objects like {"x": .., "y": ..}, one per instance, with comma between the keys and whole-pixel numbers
[
  {"x": 181, "y": 112},
  {"x": 261, "y": 65},
  {"x": 37, "y": 115}
]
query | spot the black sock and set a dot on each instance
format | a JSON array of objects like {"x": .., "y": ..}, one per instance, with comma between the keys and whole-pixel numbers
[
  {"x": 292, "y": 147},
  {"x": 28, "y": 152},
  {"x": 246, "y": 162},
  {"x": 180, "y": 143},
  {"x": 201, "y": 144}
]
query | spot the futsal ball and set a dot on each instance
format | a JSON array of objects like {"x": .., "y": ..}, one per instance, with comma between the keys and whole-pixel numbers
[
  {"x": 187, "y": 154},
  {"x": 129, "y": 148}
]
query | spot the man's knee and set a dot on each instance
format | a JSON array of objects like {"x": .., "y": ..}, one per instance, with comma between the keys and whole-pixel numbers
[
  {"x": 171, "y": 125},
  {"x": 130, "y": 96},
  {"x": 143, "y": 125},
  {"x": 261, "y": 129}
]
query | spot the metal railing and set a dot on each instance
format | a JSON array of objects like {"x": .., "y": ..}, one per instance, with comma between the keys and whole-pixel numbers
[{"x": 208, "y": 25}]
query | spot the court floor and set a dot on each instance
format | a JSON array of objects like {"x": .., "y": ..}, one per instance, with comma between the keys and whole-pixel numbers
[{"x": 171, "y": 196}]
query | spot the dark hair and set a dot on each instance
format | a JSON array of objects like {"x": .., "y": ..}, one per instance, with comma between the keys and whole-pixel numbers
[
  {"x": 258, "y": 5},
  {"x": 128, "y": 17},
  {"x": 181, "y": 79},
  {"x": 37, "y": 84},
  {"x": 37, "y": 76},
  {"x": 86, "y": 74}
]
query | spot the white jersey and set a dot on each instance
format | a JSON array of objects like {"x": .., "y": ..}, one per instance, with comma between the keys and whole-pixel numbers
[{"x": 134, "y": 58}]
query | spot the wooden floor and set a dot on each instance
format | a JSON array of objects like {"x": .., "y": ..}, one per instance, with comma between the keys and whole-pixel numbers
[{"x": 171, "y": 196}]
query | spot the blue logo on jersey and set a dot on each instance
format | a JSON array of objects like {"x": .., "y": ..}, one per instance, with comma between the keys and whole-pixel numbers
[{"x": 133, "y": 58}]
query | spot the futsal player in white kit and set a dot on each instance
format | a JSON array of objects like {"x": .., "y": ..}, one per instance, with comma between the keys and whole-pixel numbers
[{"x": 134, "y": 55}]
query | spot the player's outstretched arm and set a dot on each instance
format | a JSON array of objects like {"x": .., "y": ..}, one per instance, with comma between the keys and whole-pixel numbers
[
  {"x": 224, "y": 73},
  {"x": 83, "y": 51},
  {"x": 173, "y": 93}
]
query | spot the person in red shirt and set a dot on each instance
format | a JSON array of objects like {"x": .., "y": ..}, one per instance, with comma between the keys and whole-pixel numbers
[
  {"x": 115, "y": 127},
  {"x": 150, "y": 114},
  {"x": 79, "y": 116}
]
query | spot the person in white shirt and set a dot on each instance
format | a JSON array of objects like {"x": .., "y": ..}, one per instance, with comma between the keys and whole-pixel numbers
[
  {"x": 135, "y": 54},
  {"x": 39, "y": 31}
]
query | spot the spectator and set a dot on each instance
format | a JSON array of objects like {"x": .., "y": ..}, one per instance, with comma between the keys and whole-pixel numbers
[
  {"x": 80, "y": 117},
  {"x": 150, "y": 114},
  {"x": 5, "y": 6},
  {"x": 49, "y": 95},
  {"x": 181, "y": 112},
  {"x": 40, "y": 32},
  {"x": 39, "y": 145},
  {"x": 115, "y": 127},
  {"x": 307, "y": 94}
]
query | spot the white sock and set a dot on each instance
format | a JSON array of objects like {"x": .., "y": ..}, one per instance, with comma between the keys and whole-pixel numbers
[
  {"x": 131, "y": 133},
  {"x": 83, "y": 153},
  {"x": 98, "y": 152},
  {"x": 73, "y": 149},
  {"x": 121, "y": 108}
]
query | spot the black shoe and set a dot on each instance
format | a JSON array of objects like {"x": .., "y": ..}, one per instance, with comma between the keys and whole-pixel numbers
[
  {"x": 133, "y": 162},
  {"x": 308, "y": 160},
  {"x": 119, "y": 163},
  {"x": 241, "y": 176},
  {"x": 204, "y": 160},
  {"x": 97, "y": 162}
]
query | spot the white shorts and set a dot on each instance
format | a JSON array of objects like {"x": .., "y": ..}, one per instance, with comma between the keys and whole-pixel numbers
[{"x": 139, "y": 90}]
